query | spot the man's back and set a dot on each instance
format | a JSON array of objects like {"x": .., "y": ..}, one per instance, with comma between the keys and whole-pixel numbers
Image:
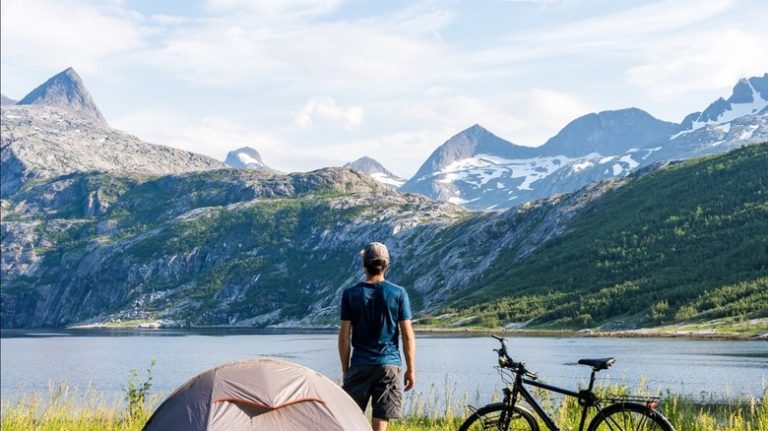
[{"x": 375, "y": 310}]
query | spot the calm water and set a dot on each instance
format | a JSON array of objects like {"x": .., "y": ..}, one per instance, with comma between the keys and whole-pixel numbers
[{"x": 30, "y": 361}]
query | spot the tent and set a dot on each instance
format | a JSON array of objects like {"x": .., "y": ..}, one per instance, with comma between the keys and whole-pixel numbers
[{"x": 258, "y": 394}]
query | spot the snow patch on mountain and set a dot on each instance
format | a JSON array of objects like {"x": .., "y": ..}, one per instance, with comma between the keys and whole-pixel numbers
[
  {"x": 745, "y": 100},
  {"x": 387, "y": 179},
  {"x": 481, "y": 169},
  {"x": 737, "y": 110},
  {"x": 246, "y": 158},
  {"x": 376, "y": 170}
]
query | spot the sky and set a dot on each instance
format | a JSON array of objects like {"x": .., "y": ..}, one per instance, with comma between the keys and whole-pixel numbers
[{"x": 315, "y": 83}]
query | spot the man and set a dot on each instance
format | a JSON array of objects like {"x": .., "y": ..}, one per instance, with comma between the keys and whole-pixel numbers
[{"x": 373, "y": 314}]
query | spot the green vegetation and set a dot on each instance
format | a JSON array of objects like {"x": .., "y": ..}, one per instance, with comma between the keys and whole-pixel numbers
[
  {"x": 684, "y": 245},
  {"x": 688, "y": 243},
  {"x": 64, "y": 410}
]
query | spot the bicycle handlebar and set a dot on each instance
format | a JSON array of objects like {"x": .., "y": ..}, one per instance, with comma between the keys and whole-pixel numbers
[{"x": 505, "y": 361}]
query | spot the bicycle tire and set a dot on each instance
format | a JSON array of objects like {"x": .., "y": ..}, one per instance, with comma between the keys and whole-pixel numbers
[
  {"x": 629, "y": 417},
  {"x": 487, "y": 418}
]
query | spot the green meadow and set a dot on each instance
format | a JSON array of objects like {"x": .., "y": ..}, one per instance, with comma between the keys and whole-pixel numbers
[{"x": 64, "y": 409}]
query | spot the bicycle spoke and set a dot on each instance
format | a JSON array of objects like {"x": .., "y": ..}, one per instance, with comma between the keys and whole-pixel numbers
[
  {"x": 608, "y": 421},
  {"x": 629, "y": 420},
  {"x": 495, "y": 420}
]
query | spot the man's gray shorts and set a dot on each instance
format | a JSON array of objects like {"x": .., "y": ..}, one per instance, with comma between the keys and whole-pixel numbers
[{"x": 379, "y": 383}]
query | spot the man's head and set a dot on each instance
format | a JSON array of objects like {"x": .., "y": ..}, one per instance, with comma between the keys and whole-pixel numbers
[{"x": 375, "y": 258}]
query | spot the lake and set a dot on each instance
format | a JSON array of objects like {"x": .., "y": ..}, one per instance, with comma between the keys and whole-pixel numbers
[{"x": 32, "y": 360}]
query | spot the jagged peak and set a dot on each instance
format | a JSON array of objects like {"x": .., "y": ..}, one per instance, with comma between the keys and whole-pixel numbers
[
  {"x": 66, "y": 90},
  {"x": 748, "y": 97}
]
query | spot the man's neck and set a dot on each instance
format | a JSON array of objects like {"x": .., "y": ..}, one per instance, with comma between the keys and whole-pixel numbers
[{"x": 375, "y": 278}]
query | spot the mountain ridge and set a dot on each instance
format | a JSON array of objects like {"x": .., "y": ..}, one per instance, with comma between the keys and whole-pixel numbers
[
  {"x": 40, "y": 142},
  {"x": 596, "y": 146}
]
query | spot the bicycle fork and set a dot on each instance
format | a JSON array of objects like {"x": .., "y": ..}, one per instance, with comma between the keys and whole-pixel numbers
[{"x": 510, "y": 396}]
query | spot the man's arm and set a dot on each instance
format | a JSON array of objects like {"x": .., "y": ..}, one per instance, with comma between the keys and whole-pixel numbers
[
  {"x": 409, "y": 349},
  {"x": 345, "y": 346}
]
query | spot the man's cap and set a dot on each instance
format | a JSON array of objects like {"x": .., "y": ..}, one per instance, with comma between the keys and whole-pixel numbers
[{"x": 375, "y": 251}]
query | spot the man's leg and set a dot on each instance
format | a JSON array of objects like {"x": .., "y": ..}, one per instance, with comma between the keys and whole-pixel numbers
[
  {"x": 380, "y": 424},
  {"x": 387, "y": 396},
  {"x": 357, "y": 383}
]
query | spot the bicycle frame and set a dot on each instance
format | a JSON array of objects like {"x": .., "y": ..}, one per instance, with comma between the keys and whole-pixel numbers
[{"x": 586, "y": 397}]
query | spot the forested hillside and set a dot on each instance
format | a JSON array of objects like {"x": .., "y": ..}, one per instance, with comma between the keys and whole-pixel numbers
[{"x": 685, "y": 243}]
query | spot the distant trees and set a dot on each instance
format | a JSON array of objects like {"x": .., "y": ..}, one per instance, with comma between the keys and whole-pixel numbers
[{"x": 684, "y": 243}]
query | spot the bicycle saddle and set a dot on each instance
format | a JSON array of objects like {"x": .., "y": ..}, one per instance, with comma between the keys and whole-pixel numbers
[{"x": 598, "y": 364}]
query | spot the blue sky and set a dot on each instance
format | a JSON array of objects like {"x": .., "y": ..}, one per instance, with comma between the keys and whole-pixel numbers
[{"x": 313, "y": 83}]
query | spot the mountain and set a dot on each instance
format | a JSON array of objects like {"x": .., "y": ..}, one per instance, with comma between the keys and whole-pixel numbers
[
  {"x": 40, "y": 142},
  {"x": 44, "y": 137},
  {"x": 245, "y": 158},
  {"x": 749, "y": 97},
  {"x": 64, "y": 90},
  {"x": 610, "y": 144},
  {"x": 4, "y": 100},
  {"x": 461, "y": 168},
  {"x": 376, "y": 170},
  {"x": 608, "y": 132},
  {"x": 249, "y": 248},
  {"x": 683, "y": 243}
]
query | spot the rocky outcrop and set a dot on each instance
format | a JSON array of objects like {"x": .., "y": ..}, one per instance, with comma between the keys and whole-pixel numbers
[
  {"x": 241, "y": 247},
  {"x": 40, "y": 142}
]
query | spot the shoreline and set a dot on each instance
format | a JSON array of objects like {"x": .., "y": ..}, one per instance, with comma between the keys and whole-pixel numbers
[
  {"x": 434, "y": 331},
  {"x": 629, "y": 333}
]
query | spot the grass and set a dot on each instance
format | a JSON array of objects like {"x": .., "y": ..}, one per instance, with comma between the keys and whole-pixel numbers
[{"x": 64, "y": 409}]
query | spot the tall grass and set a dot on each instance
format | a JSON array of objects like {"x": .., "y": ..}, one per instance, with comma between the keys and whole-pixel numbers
[{"x": 65, "y": 409}]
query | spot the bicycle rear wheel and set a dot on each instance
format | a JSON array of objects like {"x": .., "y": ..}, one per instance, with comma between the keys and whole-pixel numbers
[
  {"x": 494, "y": 416},
  {"x": 629, "y": 417}
]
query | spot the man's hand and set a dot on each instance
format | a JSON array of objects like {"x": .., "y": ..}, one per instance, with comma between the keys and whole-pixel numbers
[
  {"x": 409, "y": 349},
  {"x": 409, "y": 380},
  {"x": 345, "y": 348}
]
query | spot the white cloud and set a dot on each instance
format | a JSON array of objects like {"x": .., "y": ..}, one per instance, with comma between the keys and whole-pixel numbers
[
  {"x": 277, "y": 7},
  {"x": 621, "y": 33},
  {"x": 212, "y": 136},
  {"x": 710, "y": 60},
  {"x": 47, "y": 34},
  {"x": 540, "y": 113},
  {"x": 381, "y": 54},
  {"x": 325, "y": 108},
  {"x": 527, "y": 117}
]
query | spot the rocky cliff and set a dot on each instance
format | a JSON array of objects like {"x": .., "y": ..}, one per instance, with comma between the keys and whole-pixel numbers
[{"x": 240, "y": 247}]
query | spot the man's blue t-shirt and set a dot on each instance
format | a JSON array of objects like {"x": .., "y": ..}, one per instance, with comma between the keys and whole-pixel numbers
[{"x": 375, "y": 309}]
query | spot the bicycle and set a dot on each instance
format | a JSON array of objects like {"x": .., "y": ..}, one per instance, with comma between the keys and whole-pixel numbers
[{"x": 624, "y": 413}]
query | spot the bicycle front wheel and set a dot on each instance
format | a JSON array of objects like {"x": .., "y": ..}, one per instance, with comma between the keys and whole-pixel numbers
[
  {"x": 499, "y": 417},
  {"x": 629, "y": 417}
]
